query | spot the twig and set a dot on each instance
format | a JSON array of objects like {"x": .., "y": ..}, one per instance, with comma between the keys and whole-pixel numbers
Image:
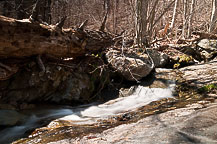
[
  {"x": 35, "y": 11},
  {"x": 102, "y": 27},
  {"x": 165, "y": 10},
  {"x": 81, "y": 27},
  {"x": 61, "y": 22},
  {"x": 157, "y": 40},
  {"x": 133, "y": 75}
]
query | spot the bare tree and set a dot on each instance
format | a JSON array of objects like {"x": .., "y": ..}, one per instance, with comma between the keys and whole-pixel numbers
[
  {"x": 213, "y": 16},
  {"x": 185, "y": 13},
  {"x": 181, "y": 15},
  {"x": 190, "y": 18},
  {"x": 141, "y": 20},
  {"x": 174, "y": 14}
]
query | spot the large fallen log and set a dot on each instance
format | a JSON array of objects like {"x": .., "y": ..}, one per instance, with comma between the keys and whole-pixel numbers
[{"x": 23, "y": 38}]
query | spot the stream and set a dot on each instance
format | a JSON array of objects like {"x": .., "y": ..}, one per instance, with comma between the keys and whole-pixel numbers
[{"x": 84, "y": 114}]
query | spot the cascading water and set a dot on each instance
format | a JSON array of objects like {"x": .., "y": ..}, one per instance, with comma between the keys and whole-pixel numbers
[{"x": 87, "y": 113}]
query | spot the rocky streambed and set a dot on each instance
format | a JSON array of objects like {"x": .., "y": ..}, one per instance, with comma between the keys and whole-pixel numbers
[
  {"x": 93, "y": 115},
  {"x": 169, "y": 106}
]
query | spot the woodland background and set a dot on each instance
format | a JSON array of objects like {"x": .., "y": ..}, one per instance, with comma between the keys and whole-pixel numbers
[{"x": 192, "y": 15}]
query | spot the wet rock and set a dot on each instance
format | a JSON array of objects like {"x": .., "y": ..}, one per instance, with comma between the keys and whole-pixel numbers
[
  {"x": 7, "y": 106},
  {"x": 193, "y": 52},
  {"x": 124, "y": 92},
  {"x": 10, "y": 117},
  {"x": 181, "y": 55},
  {"x": 26, "y": 106}
]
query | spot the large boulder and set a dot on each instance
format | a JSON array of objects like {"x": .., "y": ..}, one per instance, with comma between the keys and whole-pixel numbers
[
  {"x": 200, "y": 75},
  {"x": 209, "y": 48},
  {"x": 57, "y": 85},
  {"x": 208, "y": 45},
  {"x": 132, "y": 66}
]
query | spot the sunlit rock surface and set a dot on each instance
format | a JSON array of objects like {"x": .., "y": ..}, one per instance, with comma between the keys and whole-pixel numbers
[
  {"x": 185, "y": 125},
  {"x": 201, "y": 74},
  {"x": 208, "y": 45},
  {"x": 208, "y": 48},
  {"x": 134, "y": 66},
  {"x": 130, "y": 66}
]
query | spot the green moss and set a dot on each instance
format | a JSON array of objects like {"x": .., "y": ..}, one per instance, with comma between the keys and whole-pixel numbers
[
  {"x": 208, "y": 88},
  {"x": 184, "y": 60}
]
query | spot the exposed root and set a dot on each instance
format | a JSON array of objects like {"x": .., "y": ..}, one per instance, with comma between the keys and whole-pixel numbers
[{"x": 5, "y": 66}]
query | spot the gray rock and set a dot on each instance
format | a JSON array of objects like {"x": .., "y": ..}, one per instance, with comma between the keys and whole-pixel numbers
[
  {"x": 208, "y": 45},
  {"x": 201, "y": 74},
  {"x": 209, "y": 48},
  {"x": 134, "y": 67},
  {"x": 185, "y": 125}
]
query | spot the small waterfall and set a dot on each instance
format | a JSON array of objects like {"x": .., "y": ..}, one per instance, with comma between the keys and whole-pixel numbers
[
  {"x": 87, "y": 113},
  {"x": 142, "y": 96}
]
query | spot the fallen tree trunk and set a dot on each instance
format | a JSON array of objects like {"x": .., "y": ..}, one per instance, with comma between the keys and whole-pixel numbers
[{"x": 23, "y": 38}]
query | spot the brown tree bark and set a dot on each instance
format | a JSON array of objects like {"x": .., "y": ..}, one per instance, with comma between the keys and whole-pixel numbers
[
  {"x": 23, "y": 38},
  {"x": 190, "y": 20},
  {"x": 213, "y": 16}
]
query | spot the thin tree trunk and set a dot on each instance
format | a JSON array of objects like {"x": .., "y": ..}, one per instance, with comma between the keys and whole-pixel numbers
[
  {"x": 213, "y": 16},
  {"x": 141, "y": 20},
  {"x": 151, "y": 20},
  {"x": 185, "y": 11},
  {"x": 115, "y": 16},
  {"x": 174, "y": 15},
  {"x": 190, "y": 18}
]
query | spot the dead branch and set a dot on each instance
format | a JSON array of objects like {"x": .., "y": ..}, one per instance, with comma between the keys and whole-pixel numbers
[
  {"x": 83, "y": 25},
  {"x": 23, "y": 38},
  {"x": 35, "y": 11},
  {"x": 102, "y": 27}
]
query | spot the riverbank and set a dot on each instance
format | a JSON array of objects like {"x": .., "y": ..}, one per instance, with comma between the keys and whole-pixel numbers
[{"x": 184, "y": 104}]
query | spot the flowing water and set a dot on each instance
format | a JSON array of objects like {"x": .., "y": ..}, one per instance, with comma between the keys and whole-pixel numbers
[{"x": 85, "y": 114}]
